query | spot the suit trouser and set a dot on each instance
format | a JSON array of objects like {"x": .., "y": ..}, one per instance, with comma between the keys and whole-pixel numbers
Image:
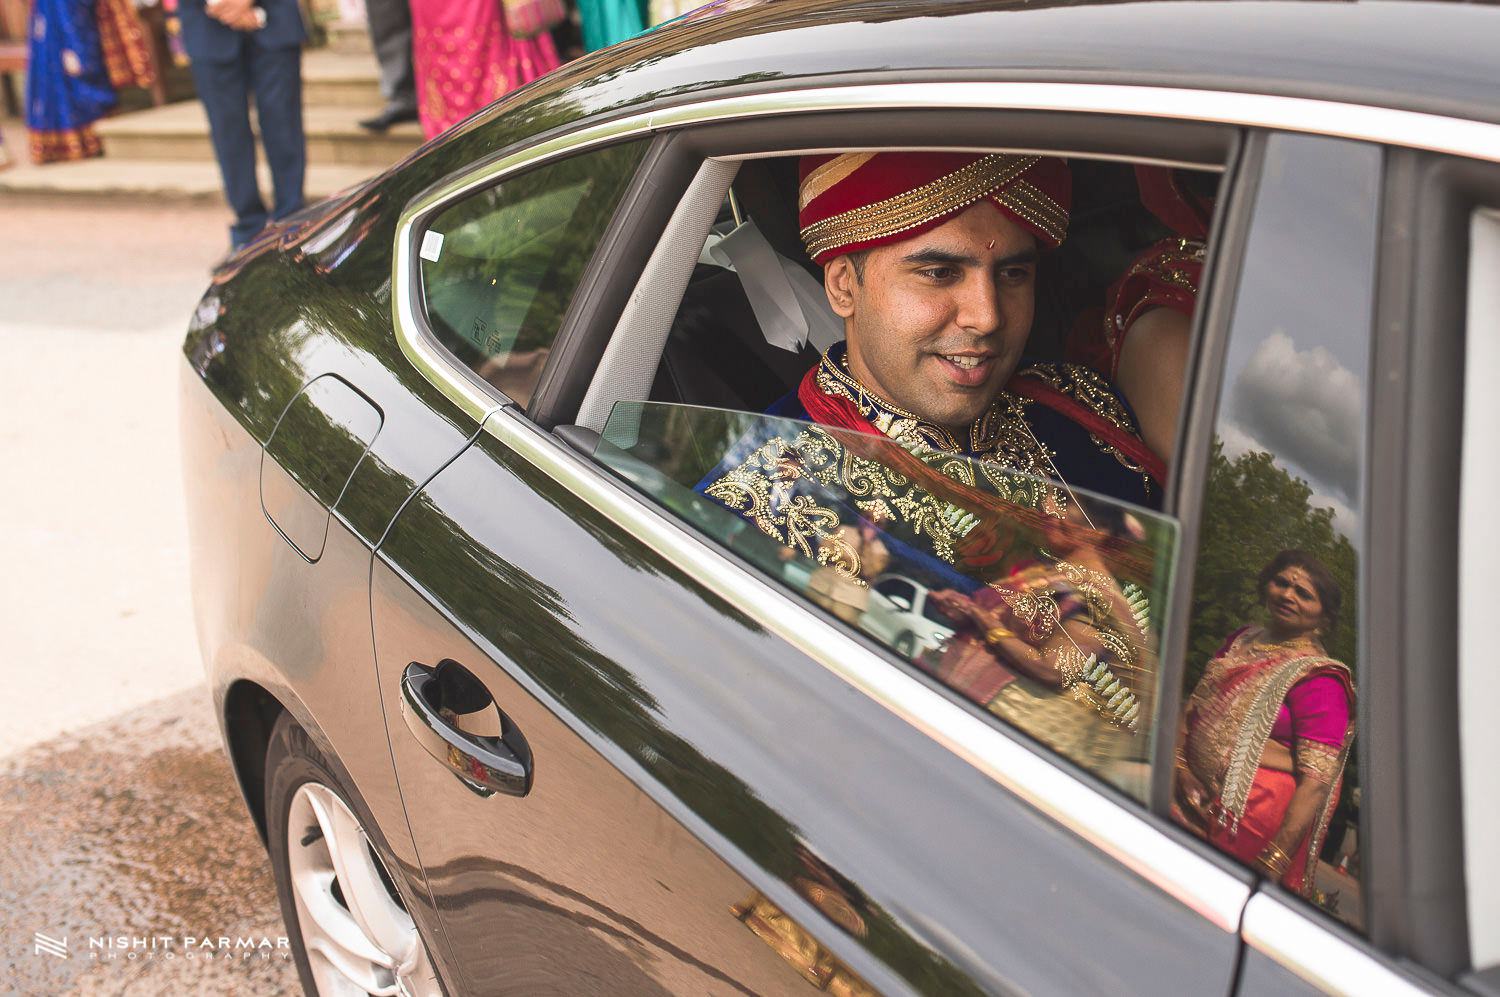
[
  {"x": 274, "y": 77},
  {"x": 390, "y": 34}
]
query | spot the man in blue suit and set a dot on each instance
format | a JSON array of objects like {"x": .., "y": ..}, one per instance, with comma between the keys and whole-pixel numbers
[{"x": 239, "y": 48}]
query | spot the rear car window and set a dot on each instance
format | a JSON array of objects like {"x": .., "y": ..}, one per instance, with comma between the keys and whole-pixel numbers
[
  {"x": 1266, "y": 763},
  {"x": 499, "y": 268}
]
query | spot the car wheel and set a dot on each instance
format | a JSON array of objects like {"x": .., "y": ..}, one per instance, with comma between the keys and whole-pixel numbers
[
  {"x": 906, "y": 644},
  {"x": 349, "y": 928}
]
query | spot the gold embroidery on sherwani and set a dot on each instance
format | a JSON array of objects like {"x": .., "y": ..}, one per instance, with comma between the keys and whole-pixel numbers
[
  {"x": 1000, "y": 448},
  {"x": 1085, "y": 385},
  {"x": 761, "y": 489},
  {"x": 1000, "y": 442}
]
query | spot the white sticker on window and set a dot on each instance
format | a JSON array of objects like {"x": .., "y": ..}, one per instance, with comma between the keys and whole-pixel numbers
[{"x": 432, "y": 246}]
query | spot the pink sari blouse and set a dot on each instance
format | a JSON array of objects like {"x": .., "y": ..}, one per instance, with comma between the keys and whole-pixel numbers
[{"x": 1315, "y": 709}]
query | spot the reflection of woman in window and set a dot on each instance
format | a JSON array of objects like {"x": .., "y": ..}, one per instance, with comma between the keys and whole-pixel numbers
[
  {"x": 1266, "y": 732},
  {"x": 1057, "y": 649}
]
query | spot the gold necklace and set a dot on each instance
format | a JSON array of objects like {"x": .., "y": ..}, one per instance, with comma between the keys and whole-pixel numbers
[{"x": 1253, "y": 646}]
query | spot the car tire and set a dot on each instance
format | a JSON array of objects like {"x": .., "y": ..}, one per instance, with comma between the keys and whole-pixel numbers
[
  {"x": 906, "y": 645},
  {"x": 347, "y": 925}
]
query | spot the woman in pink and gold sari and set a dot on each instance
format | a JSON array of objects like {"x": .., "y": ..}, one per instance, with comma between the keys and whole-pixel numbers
[
  {"x": 465, "y": 56},
  {"x": 1267, "y": 730}
]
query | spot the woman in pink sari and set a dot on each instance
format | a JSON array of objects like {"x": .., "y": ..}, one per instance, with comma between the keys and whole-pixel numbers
[
  {"x": 1267, "y": 730},
  {"x": 465, "y": 57}
]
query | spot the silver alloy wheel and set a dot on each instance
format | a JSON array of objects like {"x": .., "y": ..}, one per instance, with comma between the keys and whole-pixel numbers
[{"x": 358, "y": 937}]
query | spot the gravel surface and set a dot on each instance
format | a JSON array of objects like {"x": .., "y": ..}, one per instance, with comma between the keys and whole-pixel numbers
[{"x": 129, "y": 841}]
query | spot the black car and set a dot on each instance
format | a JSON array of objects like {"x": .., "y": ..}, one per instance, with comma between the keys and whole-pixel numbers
[{"x": 519, "y": 707}]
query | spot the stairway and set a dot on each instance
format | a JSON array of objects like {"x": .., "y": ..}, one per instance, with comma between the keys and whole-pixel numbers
[{"x": 164, "y": 152}]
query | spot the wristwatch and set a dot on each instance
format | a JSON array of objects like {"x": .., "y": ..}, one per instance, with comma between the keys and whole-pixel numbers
[{"x": 260, "y": 18}]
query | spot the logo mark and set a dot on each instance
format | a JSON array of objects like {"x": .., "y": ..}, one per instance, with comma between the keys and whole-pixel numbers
[{"x": 47, "y": 945}]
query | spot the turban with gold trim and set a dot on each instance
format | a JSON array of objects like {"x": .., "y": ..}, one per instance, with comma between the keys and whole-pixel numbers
[{"x": 858, "y": 200}]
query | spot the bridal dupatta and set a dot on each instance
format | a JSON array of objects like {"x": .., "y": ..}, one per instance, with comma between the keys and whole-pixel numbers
[{"x": 1230, "y": 717}]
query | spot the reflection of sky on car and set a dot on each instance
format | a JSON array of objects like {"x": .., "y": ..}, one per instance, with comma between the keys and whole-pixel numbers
[{"x": 1297, "y": 371}]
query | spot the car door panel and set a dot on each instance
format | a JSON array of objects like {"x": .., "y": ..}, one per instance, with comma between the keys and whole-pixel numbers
[
  {"x": 343, "y": 429},
  {"x": 706, "y": 726}
]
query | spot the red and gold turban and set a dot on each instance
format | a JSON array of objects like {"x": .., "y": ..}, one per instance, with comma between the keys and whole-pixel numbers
[{"x": 857, "y": 200}]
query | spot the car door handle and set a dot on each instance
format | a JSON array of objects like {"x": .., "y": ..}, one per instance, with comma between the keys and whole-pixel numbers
[{"x": 455, "y": 719}]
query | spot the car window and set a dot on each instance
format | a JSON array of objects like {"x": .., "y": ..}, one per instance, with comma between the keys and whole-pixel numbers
[
  {"x": 1049, "y": 619},
  {"x": 1039, "y": 571},
  {"x": 499, "y": 268},
  {"x": 931, "y": 612},
  {"x": 897, "y": 589},
  {"x": 1115, "y": 298},
  {"x": 1265, "y": 763}
]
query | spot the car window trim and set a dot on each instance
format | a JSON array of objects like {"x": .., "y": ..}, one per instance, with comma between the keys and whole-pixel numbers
[
  {"x": 1217, "y": 892},
  {"x": 1324, "y": 956},
  {"x": 1208, "y": 346},
  {"x": 1455, "y": 136}
]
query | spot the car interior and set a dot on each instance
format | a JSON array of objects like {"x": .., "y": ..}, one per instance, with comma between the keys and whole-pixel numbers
[{"x": 714, "y": 352}]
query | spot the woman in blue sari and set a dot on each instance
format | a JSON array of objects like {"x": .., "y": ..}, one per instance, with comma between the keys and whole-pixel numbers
[{"x": 67, "y": 84}]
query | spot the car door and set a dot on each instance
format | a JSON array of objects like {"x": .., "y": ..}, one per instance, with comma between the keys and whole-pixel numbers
[
  {"x": 309, "y": 427},
  {"x": 633, "y": 762}
]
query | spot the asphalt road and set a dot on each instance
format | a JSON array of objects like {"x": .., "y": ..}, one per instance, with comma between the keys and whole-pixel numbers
[{"x": 119, "y": 821}]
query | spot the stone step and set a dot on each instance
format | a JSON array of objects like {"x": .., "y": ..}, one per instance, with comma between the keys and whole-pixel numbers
[
  {"x": 349, "y": 38},
  {"x": 157, "y": 180},
  {"x": 180, "y": 132},
  {"x": 331, "y": 79}
]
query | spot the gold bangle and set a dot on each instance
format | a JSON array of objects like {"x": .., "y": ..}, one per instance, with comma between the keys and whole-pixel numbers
[
  {"x": 1273, "y": 872},
  {"x": 1275, "y": 861},
  {"x": 995, "y": 635}
]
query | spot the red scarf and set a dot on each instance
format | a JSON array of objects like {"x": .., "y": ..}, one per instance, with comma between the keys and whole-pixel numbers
[{"x": 842, "y": 413}]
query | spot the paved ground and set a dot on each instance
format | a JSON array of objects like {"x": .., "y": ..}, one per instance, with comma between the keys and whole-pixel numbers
[
  {"x": 117, "y": 813},
  {"x": 128, "y": 841}
]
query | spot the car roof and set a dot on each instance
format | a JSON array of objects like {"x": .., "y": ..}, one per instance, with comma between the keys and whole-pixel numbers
[{"x": 1423, "y": 56}]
